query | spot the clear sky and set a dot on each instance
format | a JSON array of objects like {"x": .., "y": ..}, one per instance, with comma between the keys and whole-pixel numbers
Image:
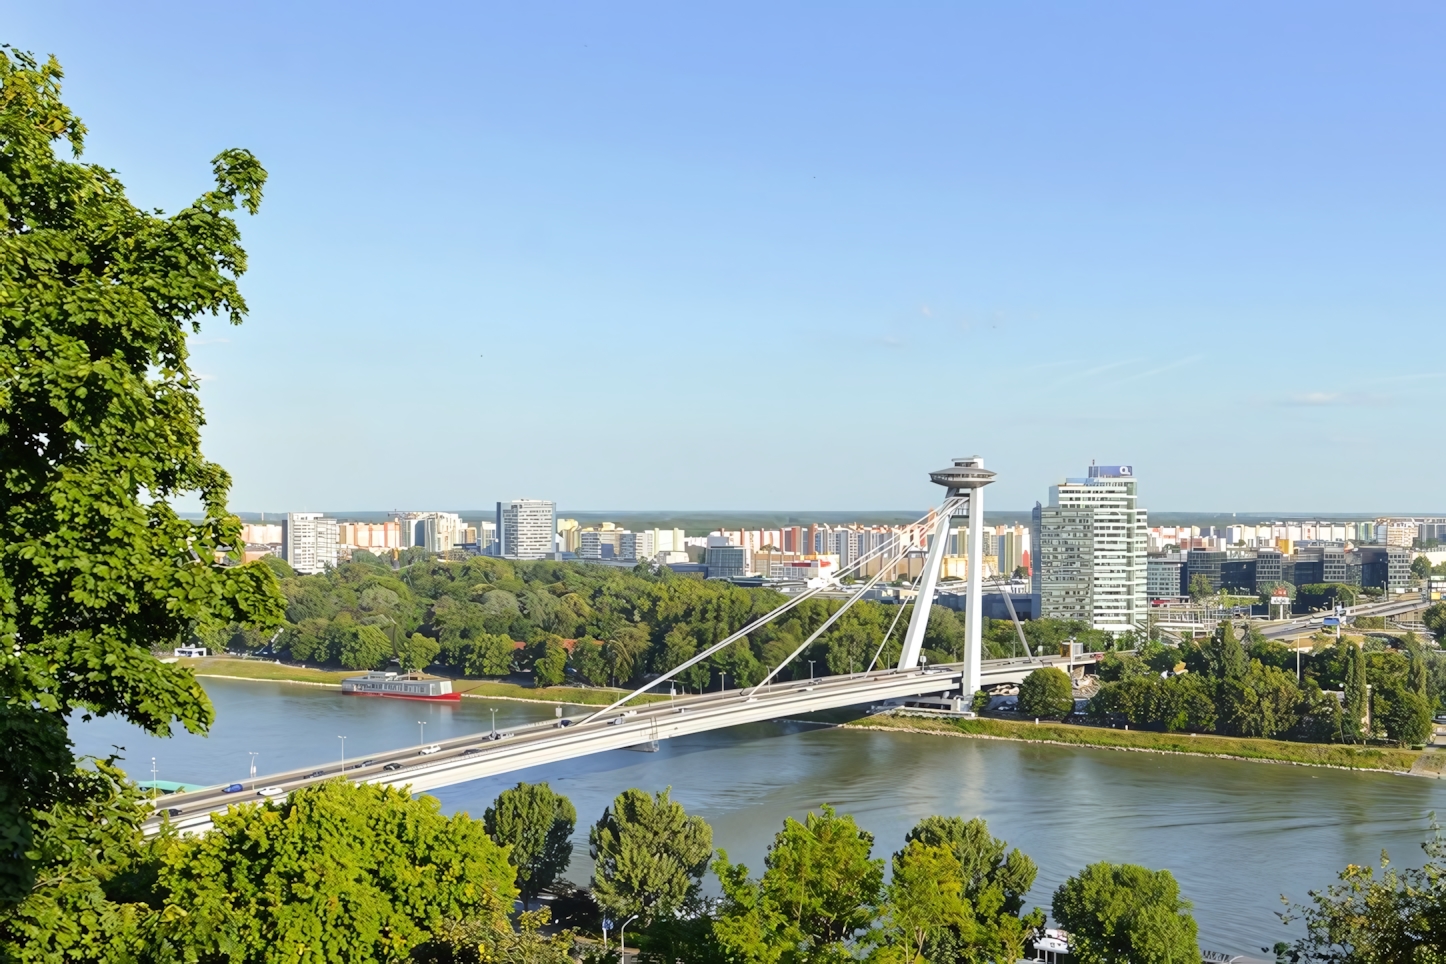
[{"x": 667, "y": 255}]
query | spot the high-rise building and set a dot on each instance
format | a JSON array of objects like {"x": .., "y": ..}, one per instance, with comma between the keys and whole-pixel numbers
[
  {"x": 528, "y": 528},
  {"x": 1092, "y": 539},
  {"x": 309, "y": 541}
]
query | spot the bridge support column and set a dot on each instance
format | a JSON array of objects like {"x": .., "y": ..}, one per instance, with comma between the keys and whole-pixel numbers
[
  {"x": 973, "y": 597},
  {"x": 964, "y": 477}
]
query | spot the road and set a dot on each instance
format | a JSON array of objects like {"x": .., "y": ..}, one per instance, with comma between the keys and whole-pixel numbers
[
  {"x": 474, "y": 757},
  {"x": 1305, "y": 625}
]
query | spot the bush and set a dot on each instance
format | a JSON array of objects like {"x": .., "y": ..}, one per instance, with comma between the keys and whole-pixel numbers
[{"x": 1046, "y": 692}]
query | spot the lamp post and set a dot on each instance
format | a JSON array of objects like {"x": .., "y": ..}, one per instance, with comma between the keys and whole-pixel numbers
[
  {"x": 810, "y": 671},
  {"x": 722, "y": 684},
  {"x": 494, "y": 721},
  {"x": 343, "y": 751},
  {"x": 153, "y": 780},
  {"x": 622, "y": 938},
  {"x": 253, "y": 763},
  {"x": 422, "y": 729}
]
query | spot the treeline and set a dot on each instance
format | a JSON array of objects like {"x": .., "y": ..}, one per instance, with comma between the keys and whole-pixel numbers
[
  {"x": 591, "y": 624},
  {"x": 343, "y": 872},
  {"x": 1248, "y": 687}
]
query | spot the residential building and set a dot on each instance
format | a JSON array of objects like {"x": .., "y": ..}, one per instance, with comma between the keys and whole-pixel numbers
[
  {"x": 261, "y": 534},
  {"x": 569, "y": 530},
  {"x": 372, "y": 536},
  {"x": 527, "y": 528},
  {"x": 1092, "y": 539},
  {"x": 1385, "y": 567},
  {"x": 726, "y": 562},
  {"x": 1165, "y": 576},
  {"x": 309, "y": 542}
]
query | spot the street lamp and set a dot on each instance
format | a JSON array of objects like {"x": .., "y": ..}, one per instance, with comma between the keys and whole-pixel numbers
[
  {"x": 494, "y": 721},
  {"x": 422, "y": 729},
  {"x": 810, "y": 671},
  {"x": 253, "y": 763},
  {"x": 722, "y": 685},
  {"x": 343, "y": 751},
  {"x": 153, "y": 780},
  {"x": 622, "y": 938}
]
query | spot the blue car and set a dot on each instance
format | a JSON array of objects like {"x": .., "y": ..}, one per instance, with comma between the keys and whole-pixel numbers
[{"x": 233, "y": 788}]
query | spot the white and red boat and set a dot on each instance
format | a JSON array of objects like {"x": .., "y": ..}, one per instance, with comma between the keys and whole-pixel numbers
[{"x": 402, "y": 686}]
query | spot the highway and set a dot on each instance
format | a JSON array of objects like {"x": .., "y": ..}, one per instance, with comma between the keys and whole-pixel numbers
[{"x": 1305, "y": 625}]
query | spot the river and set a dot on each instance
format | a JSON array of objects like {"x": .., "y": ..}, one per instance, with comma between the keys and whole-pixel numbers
[{"x": 1236, "y": 835}]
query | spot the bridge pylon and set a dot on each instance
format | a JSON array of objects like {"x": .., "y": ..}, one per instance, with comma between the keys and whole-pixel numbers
[{"x": 964, "y": 482}]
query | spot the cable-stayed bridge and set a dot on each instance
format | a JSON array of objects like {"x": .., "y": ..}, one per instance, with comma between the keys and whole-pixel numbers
[{"x": 622, "y": 725}]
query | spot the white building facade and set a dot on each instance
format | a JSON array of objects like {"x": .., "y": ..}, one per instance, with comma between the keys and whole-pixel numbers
[
  {"x": 1092, "y": 551},
  {"x": 309, "y": 542},
  {"x": 527, "y": 528}
]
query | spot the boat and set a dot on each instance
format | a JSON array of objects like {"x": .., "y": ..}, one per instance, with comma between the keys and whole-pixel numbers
[{"x": 402, "y": 686}]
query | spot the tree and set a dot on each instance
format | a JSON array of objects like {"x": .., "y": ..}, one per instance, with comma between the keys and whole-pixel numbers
[
  {"x": 360, "y": 647},
  {"x": 1046, "y": 692},
  {"x": 819, "y": 890},
  {"x": 537, "y": 824},
  {"x": 1227, "y": 659},
  {"x": 1403, "y": 713},
  {"x": 1365, "y": 919},
  {"x": 1354, "y": 708},
  {"x": 418, "y": 652},
  {"x": 482, "y": 941},
  {"x": 1117, "y": 913},
  {"x": 549, "y": 668},
  {"x": 587, "y": 660},
  {"x": 490, "y": 654},
  {"x": 101, "y": 435},
  {"x": 995, "y": 883},
  {"x": 650, "y": 856},
  {"x": 925, "y": 903},
  {"x": 346, "y": 872},
  {"x": 1200, "y": 587},
  {"x": 1421, "y": 567},
  {"x": 1435, "y": 619}
]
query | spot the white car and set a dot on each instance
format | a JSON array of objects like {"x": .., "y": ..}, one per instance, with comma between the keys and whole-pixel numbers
[
  {"x": 271, "y": 791},
  {"x": 429, "y": 750}
]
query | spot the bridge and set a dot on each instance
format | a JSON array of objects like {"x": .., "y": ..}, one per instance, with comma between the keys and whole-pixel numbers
[
  {"x": 480, "y": 755},
  {"x": 621, "y": 725}
]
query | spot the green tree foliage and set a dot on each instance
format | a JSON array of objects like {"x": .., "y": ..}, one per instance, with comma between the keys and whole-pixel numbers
[
  {"x": 1120, "y": 912},
  {"x": 1355, "y": 693},
  {"x": 1435, "y": 619},
  {"x": 994, "y": 883},
  {"x": 1046, "y": 693},
  {"x": 99, "y": 434},
  {"x": 819, "y": 891},
  {"x": 1421, "y": 567},
  {"x": 337, "y": 872},
  {"x": 1398, "y": 916},
  {"x": 84, "y": 848},
  {"x": 925, "y": 904},
  {"x": 549, "y": 666},
  {"x": 361, "y": 647},
  {"x": 650, "y": 856},
  {"x": 484, "y": 941},
  {"x": 588, "y": 661},
  {"x": 418, "y": 652},
  {"x": 537, "y": 825},
  {"x": 1200, "y": 587}
]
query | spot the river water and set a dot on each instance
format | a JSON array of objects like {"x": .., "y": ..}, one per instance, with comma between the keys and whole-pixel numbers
[{"x": 1236, "y": 835}]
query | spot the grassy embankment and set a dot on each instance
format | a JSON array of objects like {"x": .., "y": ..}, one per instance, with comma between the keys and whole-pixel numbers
[
  {"x": 256, "y": 669},
  {"x": 1281, "y": 751}
]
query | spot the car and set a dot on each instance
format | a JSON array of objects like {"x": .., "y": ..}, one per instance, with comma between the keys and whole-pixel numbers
[
  {"x": 392, "y": 766},
  {"x": 471, "y": 750},
  {"x": 233, "y": 788},
  {"x": 681, "y": 709},
  {"x": 499, "y": 736},
  {"x": 1441, "y": 718},
  {"x": 354, "y": 766},
  {"x": 565, "y": 722},
  {"x": 174, "y": 811},
  {"x": 270, "y": 791},
  {"x": 367, "y": 763},
  {"x": 315, "y": 773},
  {"x": 616, "y": 720},
  {"x": 429, "y": 750}
]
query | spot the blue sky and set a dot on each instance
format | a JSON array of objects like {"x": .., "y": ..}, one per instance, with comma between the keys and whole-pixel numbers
[{"x": 768, "y": 255}]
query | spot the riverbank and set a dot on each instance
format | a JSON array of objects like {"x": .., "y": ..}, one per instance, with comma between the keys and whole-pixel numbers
[
  {"x": 1235, "y": 748},
  {"x": 222, "y": 667}
]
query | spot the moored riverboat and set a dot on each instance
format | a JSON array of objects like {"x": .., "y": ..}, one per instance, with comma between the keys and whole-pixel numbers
[{"x": 402, "y": 686}]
